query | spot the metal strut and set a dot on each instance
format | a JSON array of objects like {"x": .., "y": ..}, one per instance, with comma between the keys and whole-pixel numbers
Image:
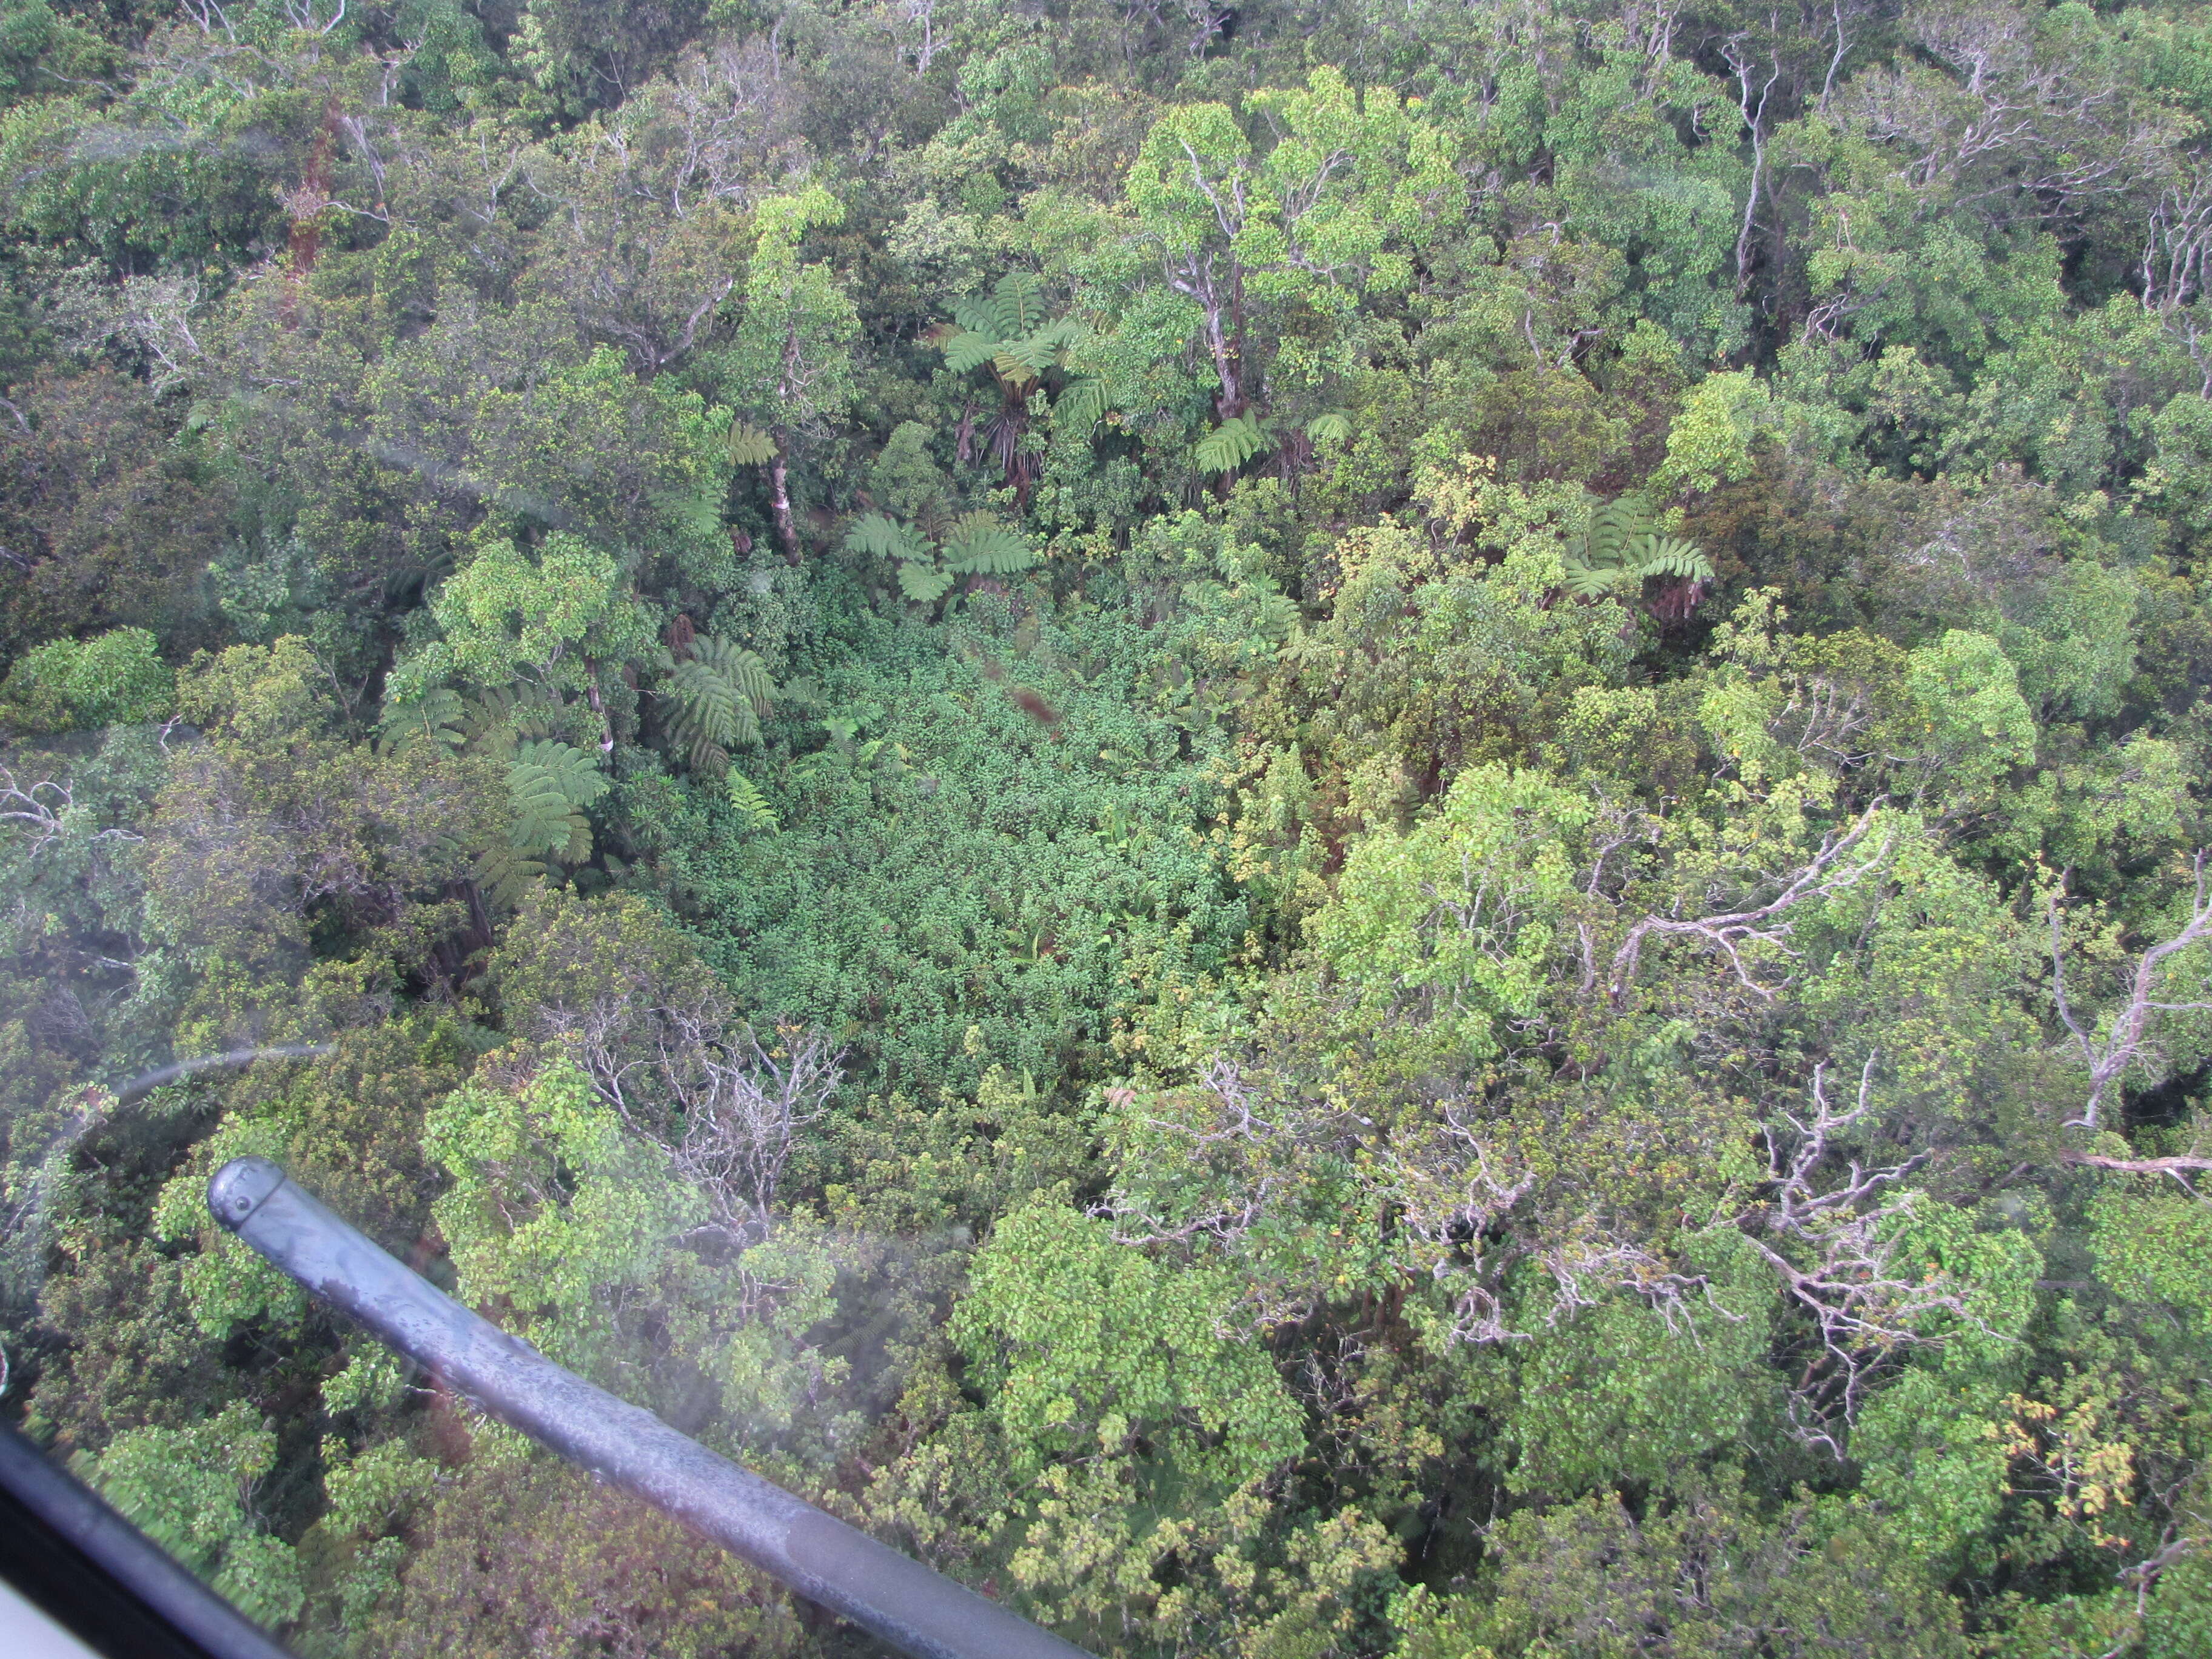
[{"x": 915, "y": 1609}]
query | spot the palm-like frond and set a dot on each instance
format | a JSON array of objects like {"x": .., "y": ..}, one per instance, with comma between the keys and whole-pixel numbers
[
  {"x": 1231, "y": 444},
  {"x": 1621, "y": 545},
  {"x": 969, "y": 349},
  {"x": 1613, "y": 528},
  {"x": 504, "y": 872},
  {"x": 1016, "y": 305},
  {"x": 1331, "y": 426},
  {"x": 1006, "y": 328},
  {"x": 1588, "y": 582},
  {"x": 1671, "y": 556},
  {"x": 495, "y": 719}
]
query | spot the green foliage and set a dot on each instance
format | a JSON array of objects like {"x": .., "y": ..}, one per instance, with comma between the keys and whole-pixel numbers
[
  {"x": 549, "y": 786},
  {"x": 1621, "y": 547},
  {"x": 1083, "y": 1345},
  {"x": 1231, "y": 444},
  {"x": 718, "y": 695},
  {"x": 974, "y": 544},
  {"x": 114, "y": 677},
  {"x": 1348, "y": 832},
  {"x": 751, "y": 806},
  {"x": 190, "y": 1491}
]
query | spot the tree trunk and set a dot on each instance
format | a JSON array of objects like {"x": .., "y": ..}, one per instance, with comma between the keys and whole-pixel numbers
[{"x": 779, "y": 478}]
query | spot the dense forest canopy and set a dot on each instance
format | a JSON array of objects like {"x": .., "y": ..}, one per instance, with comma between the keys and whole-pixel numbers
[{"x": 1322, "y": 828}]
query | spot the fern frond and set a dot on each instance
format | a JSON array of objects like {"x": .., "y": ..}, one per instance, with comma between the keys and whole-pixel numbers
[
  {"x": 504, "y": 872},
  {"x": 549, "y": 784},
  {"x": 750, "y": 445},
  {"x": 498, "y": 717},
  {"x": 1017, "y": 304},
  {"x": 924, "y": 584},
  {"x": 1057, "y": 337},
  {"x": 434, "y": 720},
  {"x": 969, "y": 349},
  {"x": 1231, "y": 444},
  {"x": 751, "y": 806},
  {"x": 1613, "y": 527},
  {"x": 976, "y": 316},
  {"x": 1331, "y": 426},
  {"x": 885, "y": 537},
  {"x": 1588, "y": 582},
  {"x": 1670, "y": 556},
  {"x": 1083, "y": 404},
  {"x": 979, "y": 545},
  {"x": 721, "y": 691},
  {"x": 741, "y": 666},
  {"x": 709, "y": 715}
]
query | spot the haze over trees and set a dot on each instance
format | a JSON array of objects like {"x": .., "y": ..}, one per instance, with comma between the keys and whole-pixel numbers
[{"x": 1316, "y": 829}]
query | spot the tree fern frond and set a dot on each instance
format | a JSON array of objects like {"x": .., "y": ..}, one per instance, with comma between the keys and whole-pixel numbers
[
  {"x": 979, "y": 545},
  {"x": 434, "y": 719},
  {"x": 885, "y": 537},
  {"x": 708, "y": 720},
  {"x": 1613, "y": 526},
  {"x": 549, "y": 784},
  {"x": 750, "y": 445},
  {"x": 1590, "y": 582},
  {"x": 976, "y": 316},
  {"x": 751, "y": 806},
  {"x": 720, "y": 693},
  {"x": 1083, "y": 404},
  {"x": 1017, "y": 304},
  {"x": 1331, "y": 426},
  {"x": 1012, "y": 366},
  {"x": 923, "y": 583},
  {"x": 1670, "y": 556},
  {"x": 1231, "y": 444},
  {"x": 1057, "y": 337},
  {"x": 504, "y": 872},
  {"x": 741, "y": 666},
  {"x": 574, "y": 774},
  {"x": 971, "y": 348},
  {"x": 495, "y": 719}
]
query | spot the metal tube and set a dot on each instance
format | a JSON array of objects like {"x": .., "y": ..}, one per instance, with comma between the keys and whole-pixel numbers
[
  {"x": 69, "y": 1552},
  {"x": 915, "y": 1609}
]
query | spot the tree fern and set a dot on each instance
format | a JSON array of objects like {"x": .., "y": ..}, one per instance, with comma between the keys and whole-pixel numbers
[
  {"x": 885, "y": 537},
  {"x": 1083, "y": 404},
  {"x": 549, "y": 784},
  {"x": 750, "y": 445},
  {"x": 1007, "y": 329},
  {"x": 435, "y": 719},
  {"x": 1612, "y": 527},
  {"x": 922, "y": 582},
  {"x": 750, "y": 805},
  {"x": 1231, "y": 444},
  {"x": 980, "y": 546},
  {"x": 505, "y": 873},
  {"x": 1621, "y": 545},
  {"x": 1670, "y": 556},
  {"x": 969, "y": 350},
  {"x": 495, "y": 719},
  {"x": 720, "y": 692},
  {"x": 1332, "y": 426}
]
